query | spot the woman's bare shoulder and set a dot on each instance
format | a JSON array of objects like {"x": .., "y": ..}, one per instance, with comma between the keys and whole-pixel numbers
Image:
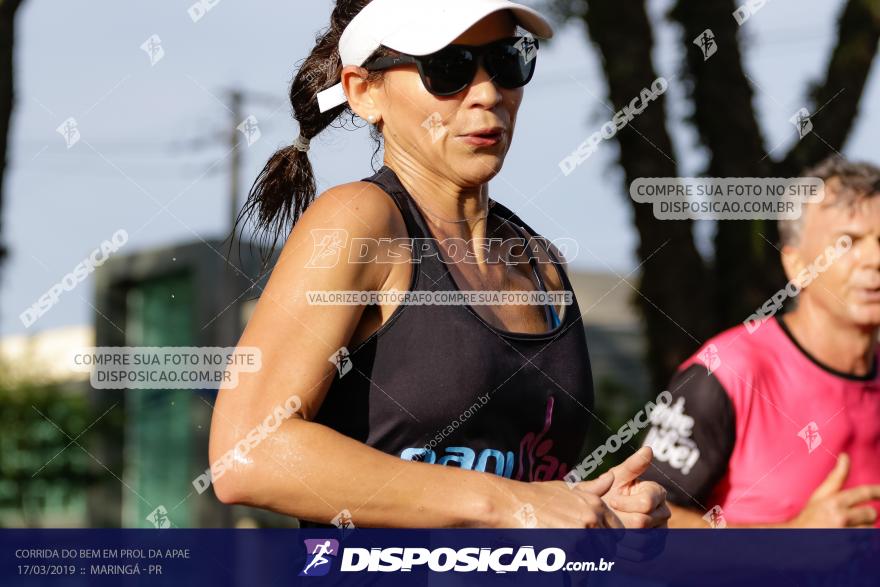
[
  {"x": 363, "y": 208},
  {"x": 352, "y": 221}
]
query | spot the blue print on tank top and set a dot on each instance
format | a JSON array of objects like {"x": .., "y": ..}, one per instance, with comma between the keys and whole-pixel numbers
[{"x": 536, "y": 463}]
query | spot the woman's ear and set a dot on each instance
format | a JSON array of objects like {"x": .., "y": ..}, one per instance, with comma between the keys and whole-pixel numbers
[{"x": 358, "y": 91}]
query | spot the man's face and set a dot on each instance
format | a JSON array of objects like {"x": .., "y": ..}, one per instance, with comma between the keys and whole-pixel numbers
[{"x": 849, "y": 289}]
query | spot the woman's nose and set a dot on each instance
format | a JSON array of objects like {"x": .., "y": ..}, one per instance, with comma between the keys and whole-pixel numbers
[{"x": 483, "y": 89}]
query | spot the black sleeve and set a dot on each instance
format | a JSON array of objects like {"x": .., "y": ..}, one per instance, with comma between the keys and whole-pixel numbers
[{"x": 692, "y": 437}]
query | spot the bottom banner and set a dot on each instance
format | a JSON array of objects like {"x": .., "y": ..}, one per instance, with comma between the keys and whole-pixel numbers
[{"x": 439, "y": 557}]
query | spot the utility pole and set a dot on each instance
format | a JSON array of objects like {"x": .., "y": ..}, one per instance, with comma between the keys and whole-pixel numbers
[
  {"x": 243, "y": 131},
  {"x": 236, "y": 111}
]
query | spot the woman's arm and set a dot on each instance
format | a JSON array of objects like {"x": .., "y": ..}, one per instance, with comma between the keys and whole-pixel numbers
[{"x": 309, "y": 471}]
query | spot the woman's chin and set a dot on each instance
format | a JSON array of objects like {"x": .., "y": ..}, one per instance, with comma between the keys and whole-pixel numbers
[{"x": 479, "y": 168}]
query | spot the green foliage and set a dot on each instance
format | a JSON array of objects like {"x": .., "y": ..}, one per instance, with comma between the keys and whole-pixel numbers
[
  {"x": 39, "y": 462},
  {"x": 615, "y": 405}
]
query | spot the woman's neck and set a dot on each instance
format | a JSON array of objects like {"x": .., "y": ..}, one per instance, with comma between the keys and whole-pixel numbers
[{"x": 455, "y": 209}]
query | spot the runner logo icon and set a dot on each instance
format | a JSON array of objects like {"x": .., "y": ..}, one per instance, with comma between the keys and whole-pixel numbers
[{"x": 318, "y": 553}]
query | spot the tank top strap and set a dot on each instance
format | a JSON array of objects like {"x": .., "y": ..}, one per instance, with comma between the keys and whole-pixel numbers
[
  {"x": 501, "y": 211},
  {"x": 386, "y": 179},
  {"x": 429, "y": 265}
]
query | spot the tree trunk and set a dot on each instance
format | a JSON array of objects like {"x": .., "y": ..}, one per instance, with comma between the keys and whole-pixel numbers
[
  {"x": 725, "y": 121},
  {"x": 673, "y": 293},
  {"x": 835, "y": 100},
  {"x": 7, "y": 96}
]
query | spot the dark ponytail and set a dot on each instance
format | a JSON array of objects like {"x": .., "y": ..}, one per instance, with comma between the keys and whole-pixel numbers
[{"x": 286, "y": 185}]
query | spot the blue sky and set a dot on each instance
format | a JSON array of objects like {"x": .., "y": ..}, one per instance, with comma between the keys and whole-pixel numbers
[{"x": 149, "y": 134}]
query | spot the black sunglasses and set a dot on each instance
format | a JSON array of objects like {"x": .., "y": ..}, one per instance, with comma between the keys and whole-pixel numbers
[{"x": 510, "y": 62}]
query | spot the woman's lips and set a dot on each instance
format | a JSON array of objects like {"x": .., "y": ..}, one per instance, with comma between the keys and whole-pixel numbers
[
  {"x": 869, "y": 296},
  {"x": 487, "y": 138}
]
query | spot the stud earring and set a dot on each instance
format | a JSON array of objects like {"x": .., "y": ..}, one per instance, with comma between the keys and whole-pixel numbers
[{"x": 371, "y": 119}]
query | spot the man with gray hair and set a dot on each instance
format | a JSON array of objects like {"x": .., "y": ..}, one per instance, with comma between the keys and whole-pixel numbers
[{"x": 777, "y": 422}]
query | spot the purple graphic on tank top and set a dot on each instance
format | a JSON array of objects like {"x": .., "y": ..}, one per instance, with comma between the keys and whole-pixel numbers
[{"x": 535, "y": 461}]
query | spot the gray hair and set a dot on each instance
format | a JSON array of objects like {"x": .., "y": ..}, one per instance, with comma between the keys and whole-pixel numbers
[{"x": 854, "y": 182}]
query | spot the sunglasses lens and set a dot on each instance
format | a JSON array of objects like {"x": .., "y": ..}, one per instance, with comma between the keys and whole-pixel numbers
[
  {"x": 512, "y": 63},
  {"x": 449, "y": 71}
]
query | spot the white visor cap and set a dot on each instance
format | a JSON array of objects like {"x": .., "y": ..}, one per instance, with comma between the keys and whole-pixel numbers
[{"x": 418, "y": 27}]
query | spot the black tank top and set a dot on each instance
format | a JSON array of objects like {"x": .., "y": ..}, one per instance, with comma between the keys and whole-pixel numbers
[{"x": 439, "y": 384}]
